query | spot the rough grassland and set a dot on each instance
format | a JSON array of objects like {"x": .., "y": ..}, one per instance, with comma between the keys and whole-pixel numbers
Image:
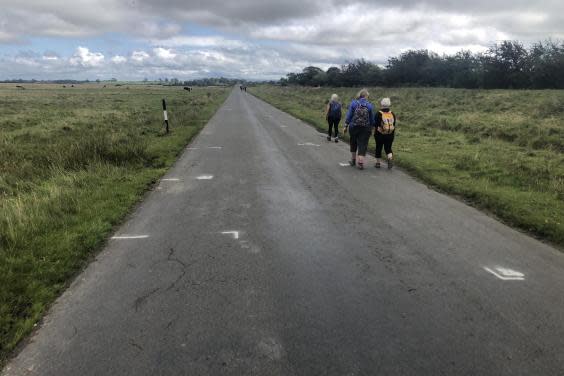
[
  {"x": 501, "y": 150},
  {"x": 73, "y": 161}
]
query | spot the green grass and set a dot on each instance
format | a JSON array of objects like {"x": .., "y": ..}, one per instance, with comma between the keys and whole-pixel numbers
[
  {"x": 500, "y": 150},
  {"x": 72, "y": 163}
]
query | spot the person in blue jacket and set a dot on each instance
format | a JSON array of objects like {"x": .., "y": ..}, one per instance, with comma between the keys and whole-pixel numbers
[{"x": 359, "y": 123}]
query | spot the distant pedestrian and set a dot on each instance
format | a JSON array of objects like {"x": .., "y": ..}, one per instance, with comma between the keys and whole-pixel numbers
[
  {"x": 333, "y": 114},
  {"x": 359, "y": 122},
  {"x": 384, "y": 132}
]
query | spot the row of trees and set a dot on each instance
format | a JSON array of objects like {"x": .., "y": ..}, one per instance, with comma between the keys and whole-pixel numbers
[
  {"x": 506, "y": 65},
  {"x": 218, "y": 81}
]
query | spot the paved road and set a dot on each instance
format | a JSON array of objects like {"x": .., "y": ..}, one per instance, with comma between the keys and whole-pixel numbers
[{"x": 258, "y": 254}]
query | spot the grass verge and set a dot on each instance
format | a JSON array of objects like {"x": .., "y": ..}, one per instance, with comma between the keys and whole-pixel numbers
[
  {"x": 73, "y": 162},
  {"x": 500, "y": 150}
]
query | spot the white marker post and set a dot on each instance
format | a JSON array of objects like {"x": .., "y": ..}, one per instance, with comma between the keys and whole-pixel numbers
[{"x": 165, "y": 115}]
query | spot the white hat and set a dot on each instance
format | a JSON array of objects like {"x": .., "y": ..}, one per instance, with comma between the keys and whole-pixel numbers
[{"x": 386, "y": 103}]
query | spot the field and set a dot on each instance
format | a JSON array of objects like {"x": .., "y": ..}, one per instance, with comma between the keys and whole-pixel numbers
[
  {"x": 73, "y": 162},
  {"x": 500, "y": 150}
]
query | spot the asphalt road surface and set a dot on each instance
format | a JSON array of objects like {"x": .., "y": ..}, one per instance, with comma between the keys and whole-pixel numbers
[{"x": 259, "y": 254}]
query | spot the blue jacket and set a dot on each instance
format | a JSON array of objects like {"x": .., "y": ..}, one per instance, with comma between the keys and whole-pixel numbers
[{"x": 352, "y": 107}]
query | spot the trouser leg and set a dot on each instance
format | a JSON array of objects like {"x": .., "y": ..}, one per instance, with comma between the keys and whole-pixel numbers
[
  {"x": 379, "y": 144},
  {"x": 336, "y": 125},
  {"x": 388, "y": 141},
  {"x": 362, "y": 141},
  {"x": 353, "y": 140}
]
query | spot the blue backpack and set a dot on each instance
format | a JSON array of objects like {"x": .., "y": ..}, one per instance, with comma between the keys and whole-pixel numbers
[{"x": 335, "y": 110}]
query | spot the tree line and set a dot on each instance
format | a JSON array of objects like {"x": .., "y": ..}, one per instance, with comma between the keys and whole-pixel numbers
[
  {"x": 505, "y": 65},
  {"x": 216, "y": 81}
]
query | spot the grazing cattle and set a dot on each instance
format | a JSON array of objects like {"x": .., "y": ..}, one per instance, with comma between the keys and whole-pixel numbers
[
  {"x": 20, "y": 87},
  {"x": 64, "y": 86}
]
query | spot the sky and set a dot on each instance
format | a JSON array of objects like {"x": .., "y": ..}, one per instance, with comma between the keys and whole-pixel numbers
[{"x": 249, "y": 39}]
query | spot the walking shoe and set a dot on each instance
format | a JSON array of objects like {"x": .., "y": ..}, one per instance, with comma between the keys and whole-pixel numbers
[
  {"x": 390, "y": 164},
  {"x": 336, "y": 139},
  {"x": 377, "y": 165},
  {"x": 352, "y": 162},
  {"x": 328, "y": 138}
]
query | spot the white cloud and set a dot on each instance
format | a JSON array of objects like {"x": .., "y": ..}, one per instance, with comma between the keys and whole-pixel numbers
[
  {"x": 139, "y": 56},
  {"x": 164, "y": 54},
  {"x": 119, "y": 59},
  {"x": 85, "y": 58},
  {"x": 201, "y": 41},
  {"x": 257, "y": 38}
]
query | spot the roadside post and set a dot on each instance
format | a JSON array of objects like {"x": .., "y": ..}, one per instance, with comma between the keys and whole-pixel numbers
[{"x": 165, "y": 115}]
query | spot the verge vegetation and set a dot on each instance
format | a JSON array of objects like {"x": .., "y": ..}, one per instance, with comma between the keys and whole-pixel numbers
[
  {"x": 501, "y": 150},
  {"x": 73, "y": 161}
]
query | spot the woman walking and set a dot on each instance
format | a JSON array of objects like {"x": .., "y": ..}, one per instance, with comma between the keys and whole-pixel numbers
[
  {"x": 359, "y": 122},
  {"x": 333, "y": 116},
  {"x": 384, "y": 133}
]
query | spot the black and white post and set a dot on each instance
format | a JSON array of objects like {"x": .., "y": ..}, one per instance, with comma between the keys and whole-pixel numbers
[{"x": 165, "y": 115}]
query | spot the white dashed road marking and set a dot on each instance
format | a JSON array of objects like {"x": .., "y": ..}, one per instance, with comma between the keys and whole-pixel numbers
[
  {"x": 130, "y": 237},
  {"x": 171, "y": 179},
  {"x": 205, "y": 177},
  {"x": 307, "y": 144},
  {"x": 342, "y": 164},
  {"x": 505, "y": 274},
  {"x": 235, "y": 234}
]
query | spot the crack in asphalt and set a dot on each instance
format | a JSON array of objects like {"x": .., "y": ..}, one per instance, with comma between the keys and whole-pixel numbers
[
  {"x": 137, "y": 346},
  {"x": 140, "y": 301}
]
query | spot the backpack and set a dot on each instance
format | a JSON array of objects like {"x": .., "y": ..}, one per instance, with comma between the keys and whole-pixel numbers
[
  {"x": 361, "y": 117},
  {"x": 335, "y": 110},
  {"x": 388, "y": 123}
]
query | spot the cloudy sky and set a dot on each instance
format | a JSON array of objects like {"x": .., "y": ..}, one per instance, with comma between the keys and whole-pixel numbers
[{"x": 254, "y": 39}]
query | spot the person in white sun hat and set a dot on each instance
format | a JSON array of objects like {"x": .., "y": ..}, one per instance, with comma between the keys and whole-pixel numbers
[{"x": 384, "y": 132}]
